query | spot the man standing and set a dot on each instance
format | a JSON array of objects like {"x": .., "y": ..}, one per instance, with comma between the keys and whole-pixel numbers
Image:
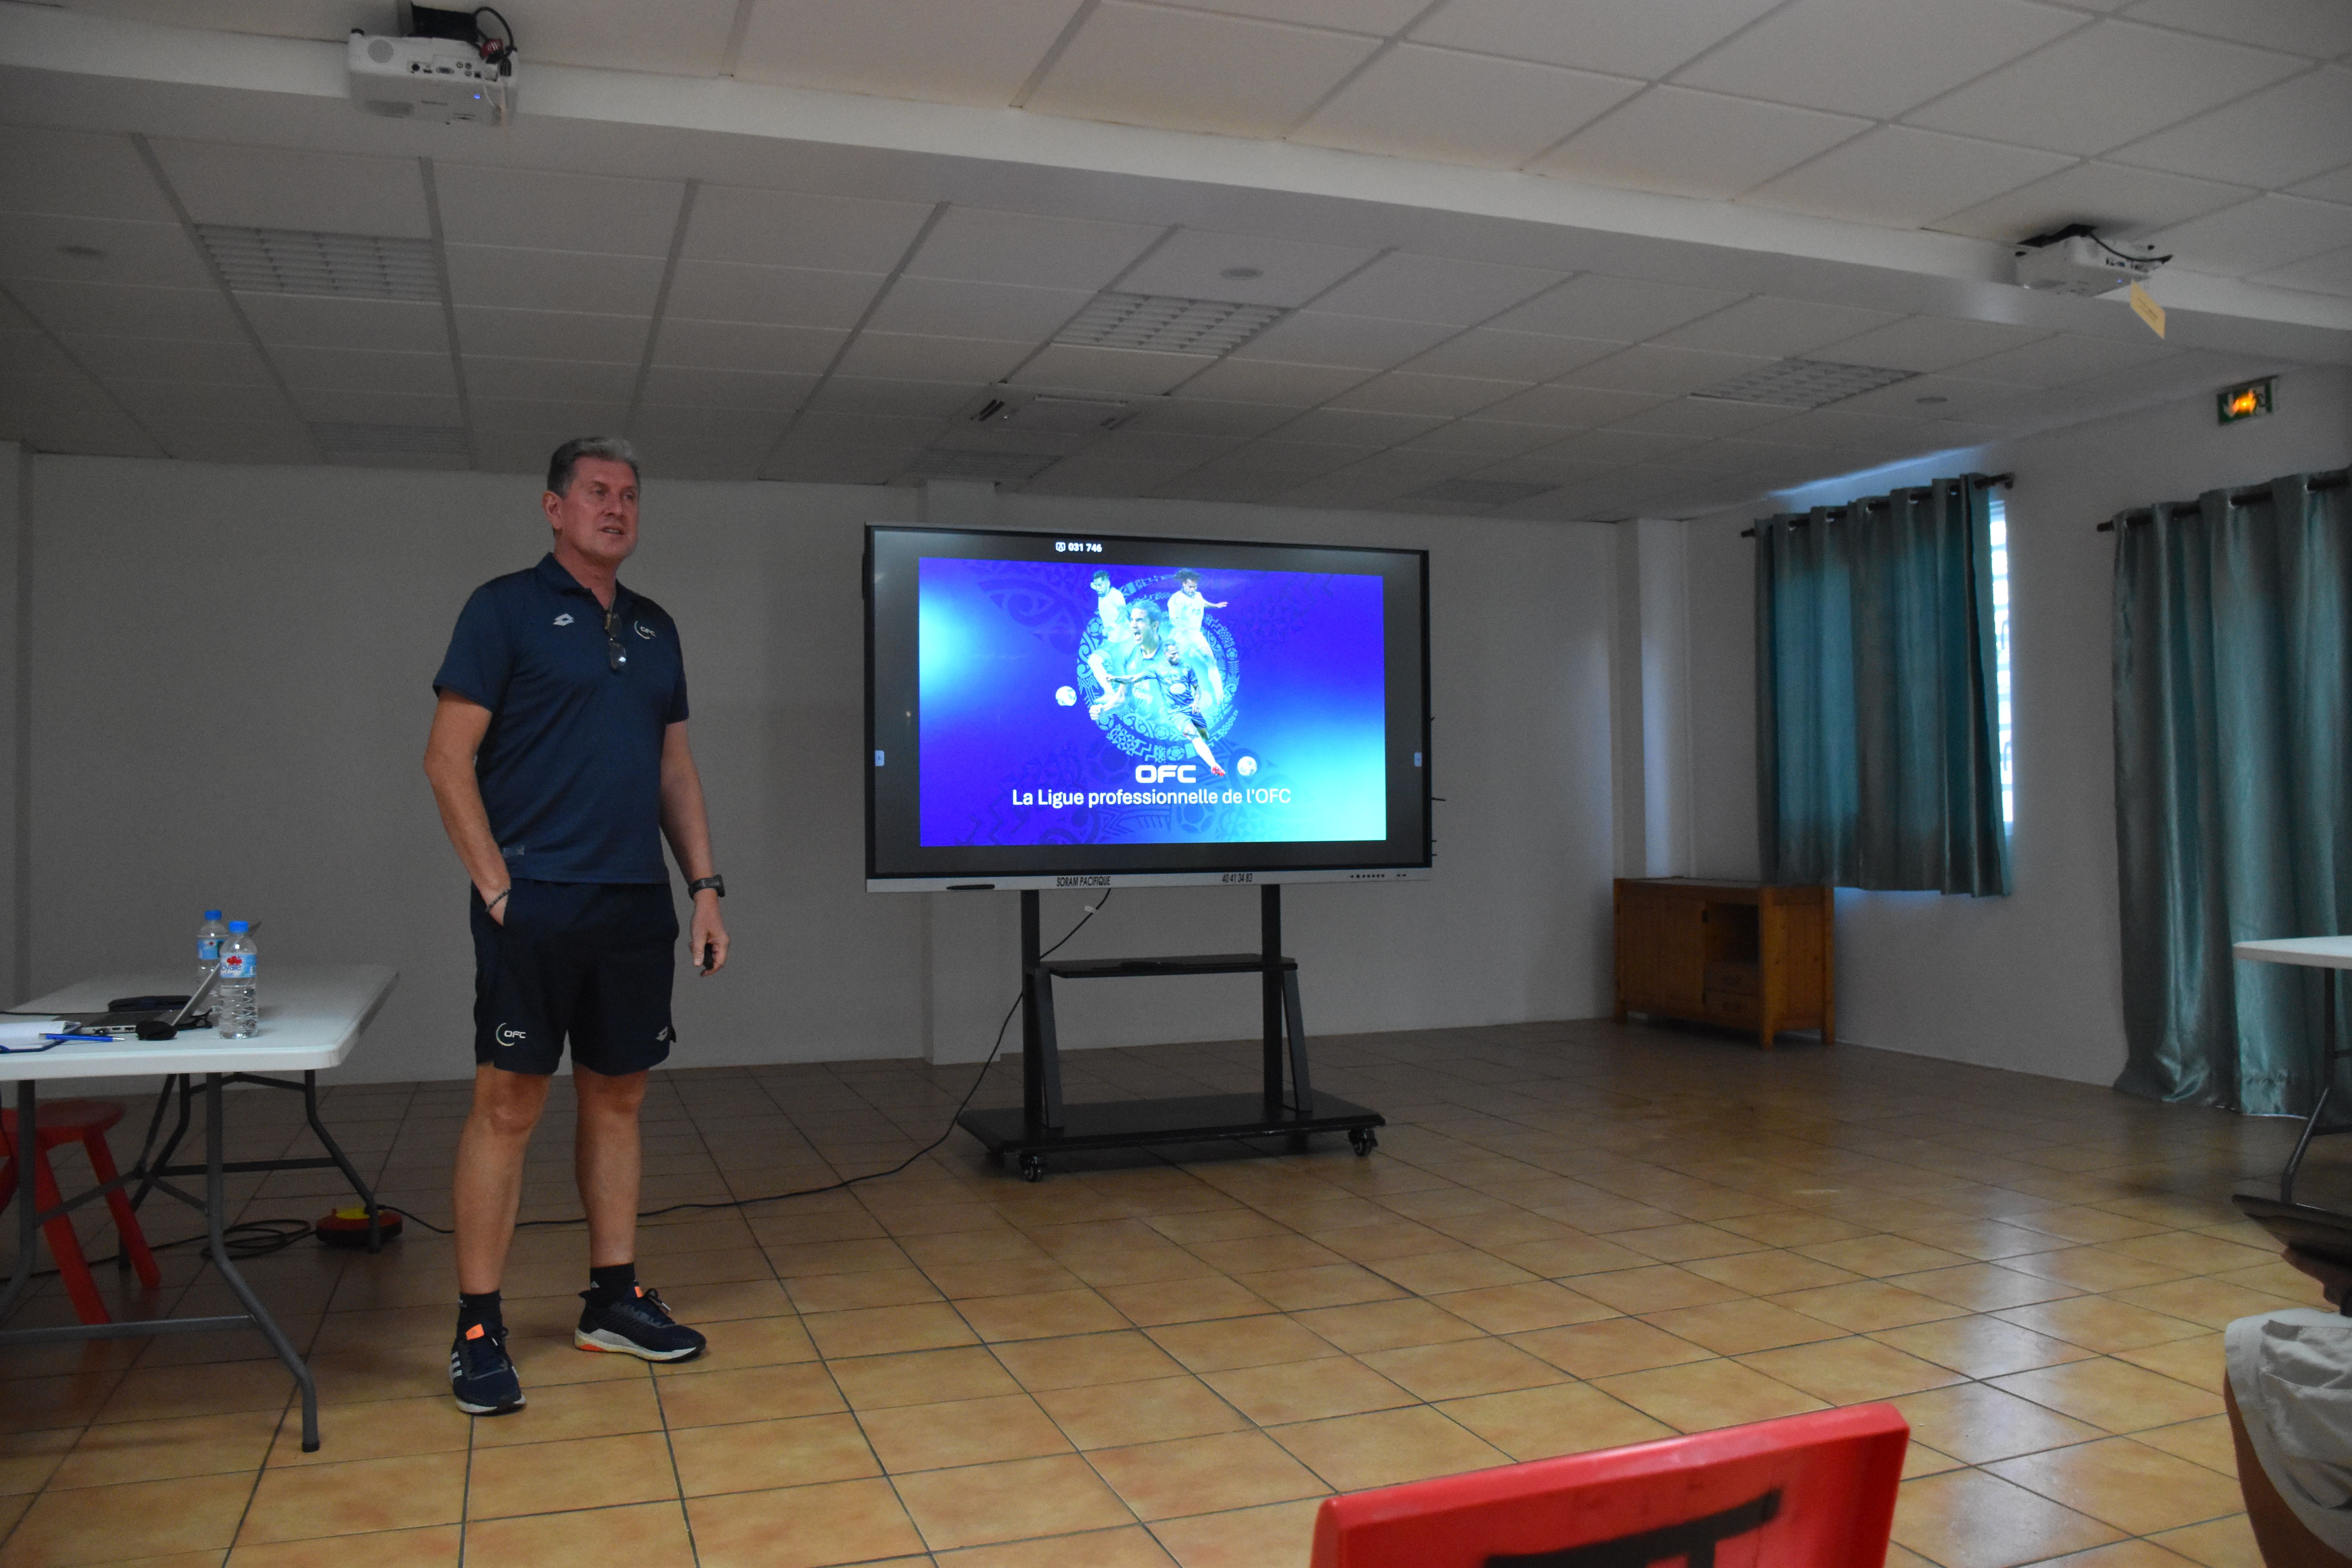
[{"x": 558, "y": 760}]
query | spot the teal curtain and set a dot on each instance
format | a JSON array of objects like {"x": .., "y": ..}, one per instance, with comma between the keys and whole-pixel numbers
[
  {"x": 2234, "y": 797},
  {"x": 1877, "y": 743}
]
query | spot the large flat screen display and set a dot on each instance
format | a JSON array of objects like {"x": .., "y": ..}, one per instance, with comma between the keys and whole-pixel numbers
[{"x": 1063, "y": 710}]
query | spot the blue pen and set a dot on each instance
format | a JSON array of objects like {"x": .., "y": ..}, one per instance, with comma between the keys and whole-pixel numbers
[{"x": 100, "y": 1037}]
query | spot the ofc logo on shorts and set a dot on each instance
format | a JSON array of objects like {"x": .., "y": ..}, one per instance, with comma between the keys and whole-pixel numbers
[{"x": 1148, "y": 773}]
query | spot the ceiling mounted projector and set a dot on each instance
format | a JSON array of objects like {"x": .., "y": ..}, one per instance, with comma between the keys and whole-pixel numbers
[
  {"x": 2075, "y": 260},
  {"x": 441, "y": 68}
]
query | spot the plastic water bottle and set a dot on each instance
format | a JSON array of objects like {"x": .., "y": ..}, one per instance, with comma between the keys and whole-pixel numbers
[
  {"x": 239, "y": 1010},
  {"x": 209, "y": 937}
]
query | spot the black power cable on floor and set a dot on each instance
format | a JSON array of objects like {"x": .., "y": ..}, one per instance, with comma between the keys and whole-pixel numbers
[{"x": 259, "y": 1238}]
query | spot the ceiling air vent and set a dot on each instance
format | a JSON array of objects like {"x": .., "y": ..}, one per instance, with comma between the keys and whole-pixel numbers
[
  {"x": 1477, "y": 492},
  {"x": 1052, "y": 413},
  {"x": 340, "y": 265},
  {"x": 1167, "y": 324},
  {"x": 1003, "y": 467},
  {"x": 392, "y": 440},
  {"x": 1805, "y": 384}
]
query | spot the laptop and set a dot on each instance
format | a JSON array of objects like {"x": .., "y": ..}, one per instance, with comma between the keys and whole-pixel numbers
[{"x": 125, "y": 1014}]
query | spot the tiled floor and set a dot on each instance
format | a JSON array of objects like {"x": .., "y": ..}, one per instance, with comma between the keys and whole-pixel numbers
[{"x": 1572, "y": 1235}]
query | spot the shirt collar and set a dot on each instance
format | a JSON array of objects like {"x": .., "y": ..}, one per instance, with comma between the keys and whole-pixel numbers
[{"x": 551, "y": 573}]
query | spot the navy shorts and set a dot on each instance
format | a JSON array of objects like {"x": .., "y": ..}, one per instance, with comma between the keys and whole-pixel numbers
[{"x": 590, "y": 961}]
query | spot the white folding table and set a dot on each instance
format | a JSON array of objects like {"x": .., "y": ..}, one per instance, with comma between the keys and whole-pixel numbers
[
  {"x": 311, "y": 1018},
  {"x": 2328, "y": 953}
]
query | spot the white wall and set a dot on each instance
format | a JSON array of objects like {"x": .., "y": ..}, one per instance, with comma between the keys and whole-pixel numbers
[
  {"x": 2031, "y": 981},
  {"x": 229, "y": 688}
]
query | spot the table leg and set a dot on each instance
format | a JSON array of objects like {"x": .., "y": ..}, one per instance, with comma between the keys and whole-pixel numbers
[
  {"x": 335, "y": 1150},
  {"x": 2326, "y": 1085},
  {"x": 163, "y": 1157},
  {"x": 215, "y": 1207},
  {"x": 28, "y": 1137}
]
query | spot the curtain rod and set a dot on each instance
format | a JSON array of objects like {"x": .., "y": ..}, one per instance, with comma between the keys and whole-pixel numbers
[
  {"x": 1982, "y": 482},
  {"x": 2329, "y": 481}
]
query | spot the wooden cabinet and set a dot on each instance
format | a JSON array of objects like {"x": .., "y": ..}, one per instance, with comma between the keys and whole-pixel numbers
[{"x": 1741, "y": 955}]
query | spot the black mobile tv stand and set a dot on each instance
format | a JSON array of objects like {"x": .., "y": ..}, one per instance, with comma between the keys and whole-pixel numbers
[{"x": 1043, "y": 1125}]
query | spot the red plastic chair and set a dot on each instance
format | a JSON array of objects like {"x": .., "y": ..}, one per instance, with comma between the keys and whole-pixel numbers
[
  {"x": 1805, "y": 1492},
  {"x": 82, "y": 1122}
]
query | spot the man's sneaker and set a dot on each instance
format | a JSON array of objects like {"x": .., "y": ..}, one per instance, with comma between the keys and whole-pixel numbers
[
  {"x": 481, "y": 1373},
  {"x": 636, "y": 1325}
]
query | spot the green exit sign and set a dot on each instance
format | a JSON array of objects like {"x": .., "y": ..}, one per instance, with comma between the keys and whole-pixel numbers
[{"x": 2251, "y": 401}]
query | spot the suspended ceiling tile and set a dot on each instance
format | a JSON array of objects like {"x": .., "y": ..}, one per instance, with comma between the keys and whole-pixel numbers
[
  {"x": 1131, "y": 444},
  {"x": 1941, "y": 397},
  {"x": 1084, "y": 475},
  {"x": 558, "y": 419},
  {"x": 80, "y": 173},
  {"x": 412, "y": 326},
  {"x": 332, "y": 406},
  {"x": 1212, "y": 417},
  {"x": 1620, "y": 310},
  {"x": 1646, "y": 367},
  {"x": 791, "y": 229},
  {"x": 51, "y": 425},
  {"x": 950, "y": 309},
  {"x": 1195, "y": 264},
  {"x": 111, "y": 358},
  {"x": 1486, "y": 438},
  {"x": 157, "y": 402},
  {"x": 544, "y": 210},
  {"x": 908, "y": 354},
  {"x": 365, "y": 370},
  {"x": 1454, "y": 108},
  {"x": 1775, "y": 328},
  {"x": 286, "y": 187},
  {"x": 1358, "y": 427},
  {"x": 1082, "y": 369},
  {"x": 929, "y": 400},
  {"x": 552, "y": 334},
  {"x": 1618, "y": 445},
  {"x": 1904, "y": 178},
  {"x": 510, "y": 278},
  {"x": 1511, "y": 356},
  {"x": 1405, "y": 391},
  {"x": 1701, "y": 416},
  {"x": 1196, "y": 70},
  {"x": 2289, "y": 132},
  {"x": 1691, "y": 143},
  {"x": 683, "y": 387},
  {"x": 1926, "y": 344},
  {"x": 683, "y": 37},
  {"x": 1645, "y": 39},
  {"x": 770, "y": 296},
  {"x": 99, "y": 251},
  {"x": 1238, "y": 380},
  {"x": 2111, "y": 83},
  {"x": 2113, "y": 199},
  {"x": 977, "y": 244},
  {"x": 834, "y": 464},
  {"x": 2320, "y": 29},
  {"x": 1548, "y": 466},
  {"x": 2330, "y": 188},
  {"x": 1407, "y": 287},
  {"x": 1836, "y": 427},
  {"x": 160, "y": 313},
  {"x": 2328, "y": 274},
  {"x": 941, "y": 51},
  {"x": 562, "y": 381},
  {"x": 1875, "y": 58},
  {"x": 1571, "y": 408},
  {"x": 1366, "y": 342},
  {"x": 2066, "y": 358},
  {"x": 744, "y": 345},
  {"x": 1378, "y": 17},
  {"x": 227, "y": 440},
  {"x": 2262, "y": 234},
  {"x": 1278, "y": 457}
]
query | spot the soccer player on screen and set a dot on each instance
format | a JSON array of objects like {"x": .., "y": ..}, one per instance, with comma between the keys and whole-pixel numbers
[
  {"x": 1186, "y": 609},
  {"x": 1111, "y": 606}
]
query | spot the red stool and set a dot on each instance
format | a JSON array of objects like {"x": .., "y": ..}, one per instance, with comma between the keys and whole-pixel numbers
[
  {"x": 82, "y": 1122},
  {"x": 1805, "y": 1492}
]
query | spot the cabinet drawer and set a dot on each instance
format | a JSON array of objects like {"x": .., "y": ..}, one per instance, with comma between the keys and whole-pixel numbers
[
  {"x": 1739, "y": 979},
  {"x": 1732, "y": 1007}
]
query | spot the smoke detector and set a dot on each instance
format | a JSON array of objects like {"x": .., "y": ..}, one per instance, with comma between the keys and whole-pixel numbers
[{"x": 2075, "y": 260}]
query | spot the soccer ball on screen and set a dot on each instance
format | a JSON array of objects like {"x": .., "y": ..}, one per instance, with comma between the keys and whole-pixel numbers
[
  {"x": 1246, "y": 766},
  {"x": 1067, "y": 696}
]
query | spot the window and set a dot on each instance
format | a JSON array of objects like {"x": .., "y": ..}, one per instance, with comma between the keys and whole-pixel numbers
[{"x": 1999, "y": 533}]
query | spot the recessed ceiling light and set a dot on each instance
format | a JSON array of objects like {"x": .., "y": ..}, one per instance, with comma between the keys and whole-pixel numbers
[
  {"x": 1242, "y": 274},
  {"x": 82, "y": 252},
  {"x": 342, "y": 266},
  {"x": 1167, "y": 323},
  {"x": 1805, "y": 383}
]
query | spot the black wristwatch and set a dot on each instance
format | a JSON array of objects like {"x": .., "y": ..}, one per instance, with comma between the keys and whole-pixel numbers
[{"x": 716, "y": 884}]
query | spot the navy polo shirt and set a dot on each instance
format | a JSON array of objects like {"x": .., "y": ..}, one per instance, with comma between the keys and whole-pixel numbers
[{"x": 571, "y": 766}]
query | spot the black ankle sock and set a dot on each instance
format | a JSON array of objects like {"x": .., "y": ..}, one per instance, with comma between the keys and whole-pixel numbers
[
  {"x": 613, "y": 1282},
  {"x": 482, "y": 1309}
]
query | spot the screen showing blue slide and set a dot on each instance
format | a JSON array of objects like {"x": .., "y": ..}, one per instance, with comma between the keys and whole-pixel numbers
[{"x": 1071, "y": 702}]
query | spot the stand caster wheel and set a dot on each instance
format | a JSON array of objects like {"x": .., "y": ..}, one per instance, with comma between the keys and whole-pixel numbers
[
  {"x": 1032, "y": 1167},
  {"x": 1365, "y": 1140}
]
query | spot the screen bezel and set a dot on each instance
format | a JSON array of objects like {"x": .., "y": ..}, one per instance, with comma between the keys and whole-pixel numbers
[{"x": 897, "y": 861}]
